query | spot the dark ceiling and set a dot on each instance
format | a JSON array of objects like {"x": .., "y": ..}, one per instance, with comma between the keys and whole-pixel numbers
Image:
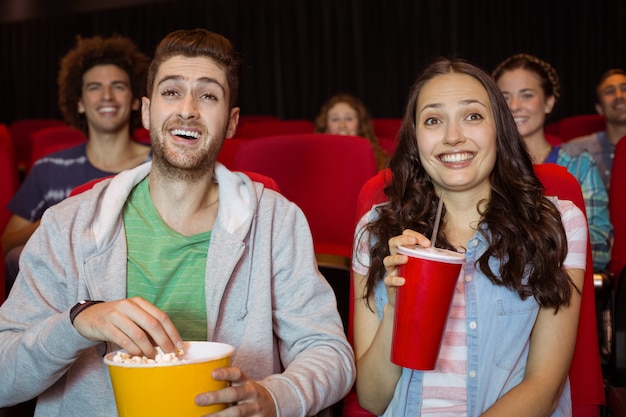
[{"x": 20, "y": 10}]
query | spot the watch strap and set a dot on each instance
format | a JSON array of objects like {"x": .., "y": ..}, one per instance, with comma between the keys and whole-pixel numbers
[{"x": 80, "y": 307}]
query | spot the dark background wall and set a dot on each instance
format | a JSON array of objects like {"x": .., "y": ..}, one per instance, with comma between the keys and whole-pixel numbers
[{"x": 299, "y": 52}]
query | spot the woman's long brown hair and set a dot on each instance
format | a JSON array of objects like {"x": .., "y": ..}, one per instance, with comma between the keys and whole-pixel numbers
[{"x": 523, "y": 228}]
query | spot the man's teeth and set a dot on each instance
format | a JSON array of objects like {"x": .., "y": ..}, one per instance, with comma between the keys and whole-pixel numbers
[
  {"x": 457, "y": 157},
  {"x": 106, "y": 109},
  {"x": 186, "y": 133}
]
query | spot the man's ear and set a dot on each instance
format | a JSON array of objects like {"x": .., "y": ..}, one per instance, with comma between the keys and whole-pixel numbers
[
  {"x": 145, "y": 112},
  {"x": 136, "y": 104},
  {"x": 80, "y": 106},
  {"x": 233, "y": 120},
  {"x": 599, "y": 109}
]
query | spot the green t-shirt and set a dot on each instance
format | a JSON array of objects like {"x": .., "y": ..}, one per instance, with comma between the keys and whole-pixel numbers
[{"x": 165, "y": 267}]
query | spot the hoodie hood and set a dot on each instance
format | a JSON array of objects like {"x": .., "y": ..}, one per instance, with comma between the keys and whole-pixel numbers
[{"x": 238, "y": 201}]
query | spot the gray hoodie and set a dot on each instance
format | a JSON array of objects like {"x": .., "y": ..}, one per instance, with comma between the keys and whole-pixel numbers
[{"x": 264, "y": 295}]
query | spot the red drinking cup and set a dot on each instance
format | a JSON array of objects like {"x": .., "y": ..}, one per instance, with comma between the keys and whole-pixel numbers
[{"x": 423, "y": 304}]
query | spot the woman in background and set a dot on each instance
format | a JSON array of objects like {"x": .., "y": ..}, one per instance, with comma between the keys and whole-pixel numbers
[
  {"x": 344, "y": 114},
  {"x": 531, "y": 89}
]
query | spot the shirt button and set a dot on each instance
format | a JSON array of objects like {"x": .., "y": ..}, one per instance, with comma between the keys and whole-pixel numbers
[
  {"x": 472, "y": 374},
  {"x": 474, "y": 243},
  {"x": 468, "y": 278},
  {"x": 472, "y": 325}
]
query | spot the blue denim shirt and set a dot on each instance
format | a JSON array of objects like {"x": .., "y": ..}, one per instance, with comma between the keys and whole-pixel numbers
[{"x": 499, "y": 324}]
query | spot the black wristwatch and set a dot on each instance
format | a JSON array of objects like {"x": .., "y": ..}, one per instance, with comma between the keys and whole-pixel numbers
[{"x": 81, "y": 306}]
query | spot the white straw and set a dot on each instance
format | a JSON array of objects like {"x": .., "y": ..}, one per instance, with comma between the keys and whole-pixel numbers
[{"x": 437, "y": 219}]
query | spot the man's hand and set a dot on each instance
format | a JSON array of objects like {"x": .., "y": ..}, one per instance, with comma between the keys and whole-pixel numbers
[
  {"x": 134, "y": 324},
  {"x": 247, "y": 396}
]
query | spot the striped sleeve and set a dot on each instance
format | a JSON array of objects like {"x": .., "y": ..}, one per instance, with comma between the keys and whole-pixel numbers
[{"x": 576, "y": 230}]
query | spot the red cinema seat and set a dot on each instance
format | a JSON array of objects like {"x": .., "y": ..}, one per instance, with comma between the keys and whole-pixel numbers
[
  {"x": 580, "y": 125},
  {"x": 21, "y": 131},
  {"x": 53, "y": 139}
]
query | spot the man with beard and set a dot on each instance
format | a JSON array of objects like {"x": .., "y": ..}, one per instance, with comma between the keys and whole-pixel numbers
[
  {"x": 176, "y": 249},
  {"x": 611, "y": 102}
]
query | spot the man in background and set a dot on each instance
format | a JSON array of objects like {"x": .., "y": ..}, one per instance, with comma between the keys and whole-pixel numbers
[{"x": 611, "y": 102}]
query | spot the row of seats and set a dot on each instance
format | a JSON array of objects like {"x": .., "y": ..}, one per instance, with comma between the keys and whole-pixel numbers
[
  {"x": 264, "y": 125},
  {"x": 29, "y": 147},
  {"x": 575, "y": 126},
  {"x": 386, "y": 129}
]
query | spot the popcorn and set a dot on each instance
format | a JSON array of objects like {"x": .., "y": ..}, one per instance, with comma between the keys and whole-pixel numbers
[{"x": 123, "y": 357}]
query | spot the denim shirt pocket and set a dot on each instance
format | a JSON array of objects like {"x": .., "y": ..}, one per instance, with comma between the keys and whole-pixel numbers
[{"x": 515, "y": 319}]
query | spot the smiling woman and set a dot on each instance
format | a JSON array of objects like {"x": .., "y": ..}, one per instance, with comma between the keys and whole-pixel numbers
[
  {"x": 531, "y": 88},
  {"x": 459, "y": 143},
  {"x": 455, "y": 126}
]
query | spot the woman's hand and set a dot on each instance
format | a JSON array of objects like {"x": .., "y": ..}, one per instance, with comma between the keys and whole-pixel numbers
[{"x": 394, "y": 260}]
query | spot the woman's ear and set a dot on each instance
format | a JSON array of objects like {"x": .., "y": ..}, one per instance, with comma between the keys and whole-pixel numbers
[{"x": 550, "y": 102}]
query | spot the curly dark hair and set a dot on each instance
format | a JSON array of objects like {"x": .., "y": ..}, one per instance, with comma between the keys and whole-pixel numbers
[
  {"x": 366, "y": 126},
  {"x": 548, "y": 76},
  {"x": 524, "y": 227},
  {"x": 199, "y": 43},
  {"x": 88, "y": 53}
]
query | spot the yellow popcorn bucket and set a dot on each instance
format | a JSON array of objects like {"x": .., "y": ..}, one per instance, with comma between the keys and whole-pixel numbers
[{"x": 169, "y": 388}]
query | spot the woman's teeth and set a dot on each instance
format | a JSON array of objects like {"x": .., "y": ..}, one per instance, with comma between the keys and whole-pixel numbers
[{"x": 457, "y": 157}]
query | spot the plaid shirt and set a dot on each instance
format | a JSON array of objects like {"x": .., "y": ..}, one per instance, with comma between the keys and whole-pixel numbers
[
  {"x": 601, "y": 150},
  {"x": 583, "y": 167}
]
